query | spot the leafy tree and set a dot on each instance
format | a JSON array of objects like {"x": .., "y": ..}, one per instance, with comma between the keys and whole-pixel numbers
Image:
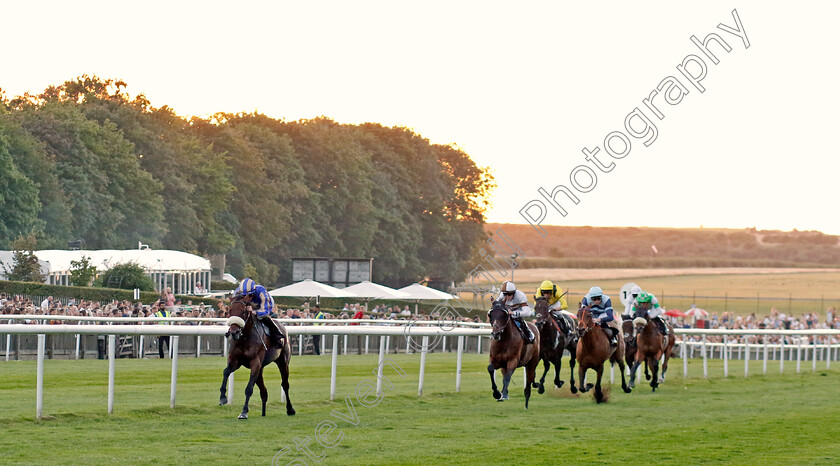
[
  {"x": 26, "y": 268},
  {"x": 82, "y": 272},
  {"x": 127, "y": 276},
  {"x": 18, "y": 198}
]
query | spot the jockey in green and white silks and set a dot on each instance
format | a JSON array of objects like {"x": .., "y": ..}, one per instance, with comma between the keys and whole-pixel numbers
[{"x": 647, "y": 302}]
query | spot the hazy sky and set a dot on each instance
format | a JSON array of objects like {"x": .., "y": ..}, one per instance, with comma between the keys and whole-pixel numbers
[{"x": 522, "y": 87}]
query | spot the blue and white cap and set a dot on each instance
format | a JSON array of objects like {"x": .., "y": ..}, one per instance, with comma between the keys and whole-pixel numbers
[{"x": 246, "y": 287}]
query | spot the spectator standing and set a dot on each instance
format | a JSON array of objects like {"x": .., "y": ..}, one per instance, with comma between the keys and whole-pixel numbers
[
  {"x": 163, "y": 339},
  {"x": 316, "y": 339}
]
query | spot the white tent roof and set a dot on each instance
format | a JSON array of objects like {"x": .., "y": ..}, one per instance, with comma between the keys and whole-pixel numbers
[
  {"x": 310, "y": 289},
  {"x": 368, "y": 289},
  {"x": 418, "y": 291},
  {"x": 149, "y": 259}
]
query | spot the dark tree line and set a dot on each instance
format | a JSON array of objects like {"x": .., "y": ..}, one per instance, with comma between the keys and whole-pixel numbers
[{"x": 85, "y": 161}]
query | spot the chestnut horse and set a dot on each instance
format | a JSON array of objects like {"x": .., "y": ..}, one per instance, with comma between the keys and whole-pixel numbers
[
  {"x": 593, "y": 349},
  {"x": 508, "y": 351},
  {"x": 650, "y": 349},
  {"x": 552, "y": 343},
  {"x": 251, "y": 346}
]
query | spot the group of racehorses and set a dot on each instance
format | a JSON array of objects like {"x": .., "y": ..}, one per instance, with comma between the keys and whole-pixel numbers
[{"x": 588, "y": 346}]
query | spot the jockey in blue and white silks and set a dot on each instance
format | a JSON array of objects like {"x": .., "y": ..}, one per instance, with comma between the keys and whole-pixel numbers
[
  {"x": 260, "y": 301},
  {"x": 600, "y": 306}
]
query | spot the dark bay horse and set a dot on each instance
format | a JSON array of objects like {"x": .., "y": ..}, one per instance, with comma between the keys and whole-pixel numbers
[
  {"x": 552, "y": 343},
  {"x": 508, "y": 351},
  {"x": 630, "y": 348},
  {"x": 651, "y": 346},
  {"x": 593, "y": 349},
  {"x": 251, "y": 346}
]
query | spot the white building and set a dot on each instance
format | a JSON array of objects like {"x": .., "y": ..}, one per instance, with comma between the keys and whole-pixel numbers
[{"x": 178, "y": 270}]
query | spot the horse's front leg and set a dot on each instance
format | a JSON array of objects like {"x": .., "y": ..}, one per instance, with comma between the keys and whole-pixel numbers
[
  {"x": 633, "y": 368},
  {"x": 231, "y": 367},
  {"x": 284, "y": 373},
  {"x": 256, "y": 371},
  {"x": 508, "y": 373},
  {"x": 582, "y": 378},
  {"x": 624, "y": 386},
  {"x": 541, "y": 386},
  {"x": 599, "y": 395},
  {"x": 492, "y": 370},
  {"x": 263, "y": 391},
  {"x": 654, "y": 381},
  {"x": 572, "y": 362},
  {"x": 558, "y": 361}
]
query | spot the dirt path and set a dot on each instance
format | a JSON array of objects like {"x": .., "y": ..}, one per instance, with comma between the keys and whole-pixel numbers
[{"x": 533, "y": 275}]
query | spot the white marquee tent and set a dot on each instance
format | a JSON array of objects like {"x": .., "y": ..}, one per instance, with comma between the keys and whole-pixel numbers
[{"x": 312, "y": 289}]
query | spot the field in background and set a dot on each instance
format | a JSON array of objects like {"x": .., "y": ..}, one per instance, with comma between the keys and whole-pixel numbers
[
  {"x": 773, "y": 418},
  {"x": 789, "y": 290}
]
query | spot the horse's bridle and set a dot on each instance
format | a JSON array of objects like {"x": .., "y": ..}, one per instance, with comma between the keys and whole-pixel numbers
[
  {"x": 493, "y": 334},
  {"x": 239, "y": 321},
  {"x": 582, "y": 322}
]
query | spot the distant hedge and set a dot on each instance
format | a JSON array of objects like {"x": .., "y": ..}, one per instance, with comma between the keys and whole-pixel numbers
[{"x": 88, "y": 293}]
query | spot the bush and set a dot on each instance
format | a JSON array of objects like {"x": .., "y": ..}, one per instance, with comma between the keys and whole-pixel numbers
[
  {"x": 88, "y": 294},
  {"x": 126, "y": 276}
]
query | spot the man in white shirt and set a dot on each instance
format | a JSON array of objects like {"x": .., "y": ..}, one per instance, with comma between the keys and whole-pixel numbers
[
  {"x": 45, "y": 304},
  {"x": 517, "y": 305}
]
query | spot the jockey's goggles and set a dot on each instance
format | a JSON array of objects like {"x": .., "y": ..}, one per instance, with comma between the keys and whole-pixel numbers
[{"x": 595, "y": 298}]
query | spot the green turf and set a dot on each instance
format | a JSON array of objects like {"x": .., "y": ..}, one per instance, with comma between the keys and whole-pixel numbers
[{"x": 775, "y": 419}]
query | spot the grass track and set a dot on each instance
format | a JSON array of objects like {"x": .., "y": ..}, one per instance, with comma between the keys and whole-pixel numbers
[{"x": 775, "y": 419}]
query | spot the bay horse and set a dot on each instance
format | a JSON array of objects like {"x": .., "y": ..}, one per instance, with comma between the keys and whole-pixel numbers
[
  {"x": 650, "y": 348},
  {"x": 552, "y": 343},
  {"x": 251, "y": 346},
  {"x": 630, "y": 347},
  {"x": 508, "y": 351},
  {"x": 593, "y": 349}
]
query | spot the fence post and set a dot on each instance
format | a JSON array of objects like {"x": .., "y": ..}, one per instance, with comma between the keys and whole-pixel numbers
[
  {"x": 828, "y": 354},
  {"x": 685, "y": 356},
  {"x": 458, "y": 364},
  {"x": 814, "y": 354},
  {"x": 345, "y": 344},
  {"x": 765, "y": 354},
  {"x": 705, "y": 360},
  {"x": 198, "y": 345},
  {"x": 39, "y": 382},
  {"x": 423, "y": 352},
  {"x": 367, "y": 342},
  {"x": 112, "y": 342},
  {"x": 798, "y": 352},
  {"x": 174, "y": 383},
  {"x": 382, "y": 349},
  {"x": 334, "y": 367},
  {"x": 725, "y": 354},
  {"x": 746, "y": 355},
  {"x": 782, "y": 354}
]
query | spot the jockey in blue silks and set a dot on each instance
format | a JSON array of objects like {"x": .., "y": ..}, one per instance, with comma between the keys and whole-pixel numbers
[
  {"x": 259, "y": 299},
  {"x": 600, "y": 306}
]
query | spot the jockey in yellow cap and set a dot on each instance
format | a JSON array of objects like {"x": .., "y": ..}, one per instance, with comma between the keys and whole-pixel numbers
[{"x": 556, "y": 300}]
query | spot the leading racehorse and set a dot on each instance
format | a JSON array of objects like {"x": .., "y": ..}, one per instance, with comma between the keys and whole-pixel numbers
[
  {"x": 553, "y": 340},
  {"x": 508, "y": 351},
  {"x": 593, "y": 349},
  {"x": 650, "y": 346},
  {"x": 251, "y": 346}
]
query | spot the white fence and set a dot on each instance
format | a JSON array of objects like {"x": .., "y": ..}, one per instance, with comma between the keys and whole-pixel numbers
[{"x": 414, "y": 329}]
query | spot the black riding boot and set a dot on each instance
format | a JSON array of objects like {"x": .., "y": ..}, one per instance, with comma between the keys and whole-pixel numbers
[
  {"x": 613, "y": 335},
  {"x": 660, "y": 324},
  {"x": 524, "y": 330},
  {"x": 274, "y": 332}
]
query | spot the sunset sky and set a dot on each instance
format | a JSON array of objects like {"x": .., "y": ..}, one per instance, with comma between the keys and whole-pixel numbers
[{"x": 522, "y": 88}]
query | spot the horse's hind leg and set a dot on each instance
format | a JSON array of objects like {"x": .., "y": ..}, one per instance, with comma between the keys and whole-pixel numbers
[
  {"x": 654, "y": 364},
  {"x": 492, "y": 370},
  {"x": 582, "y": 378},
  {"x": 624, "y": 386},
  {"x": 263, "y": 392},
  {"x": 541, "y": 386},
  {"x": 664, "y": 366},
  {"x": 530, "y": 373},
  {"x": 284, "y": 373},
  {"x": 231, "y": 367}
]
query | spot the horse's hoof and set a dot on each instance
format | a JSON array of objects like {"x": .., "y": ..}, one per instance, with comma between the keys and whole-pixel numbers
[
  {"x": 627, "y": 389},
  {"x": 541, "y": 389},
  {"x": 222, "y": 401},
  {"x": 647, "y": 376},
  {"x": 573, "y": 389},
  {"x": 504, "y": 397},
  {"x": 560, "y": 385},
  {"x": 589, "y": 386},
  {"x": 496, "y": 394},
  {"x": 632, "y": 383},
  {"x": 290, "y": 412},
  {"x": 243, "y": 416}
]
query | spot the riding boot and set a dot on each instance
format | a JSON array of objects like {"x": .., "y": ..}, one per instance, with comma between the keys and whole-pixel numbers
[
  {"x": 613, "y": 335},
  {"x": 660, "y": 324},
  {"x": 274, "y": 332},
  {"x": 524, "y": 330}
]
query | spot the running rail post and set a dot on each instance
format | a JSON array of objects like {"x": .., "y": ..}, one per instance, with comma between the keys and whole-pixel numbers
[
  {"x": 423, "y": 352},
  {"x": 382, "y": 349},
  {"x": 765, "y": 354},
  {"x": 685, "y": 356},
  {"x": 78, "y": 338},
  {"x": 174, "y": 384},
  {"x": 814, "y": 355},
  {"x": 746, "y": 356},
  {"x": 705, "y": 359},
  {"x": 39, "y": 383},
  {"x": 782, "y": 358},
  {"x": 798, "y": 353},
  {"x": 458, "y": 364},
  {"x": 725, "y": 355},
  {"x": 112, "y": 342},
  {"x": 333, "y": 367}
]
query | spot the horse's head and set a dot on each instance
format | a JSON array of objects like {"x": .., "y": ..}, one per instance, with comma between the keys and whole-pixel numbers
[
  {"x": 239, "y": 316},
  {"x": 585, "y": 321},
  {"x": 499, "y": 317},
  {"x": 640, "y": 322},
  {"x": 541, "y": 309},
  {"x": 629, "y": 332}
]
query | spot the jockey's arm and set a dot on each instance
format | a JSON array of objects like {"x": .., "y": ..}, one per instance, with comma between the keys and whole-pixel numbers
[{"x": 521, "y": 310}]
